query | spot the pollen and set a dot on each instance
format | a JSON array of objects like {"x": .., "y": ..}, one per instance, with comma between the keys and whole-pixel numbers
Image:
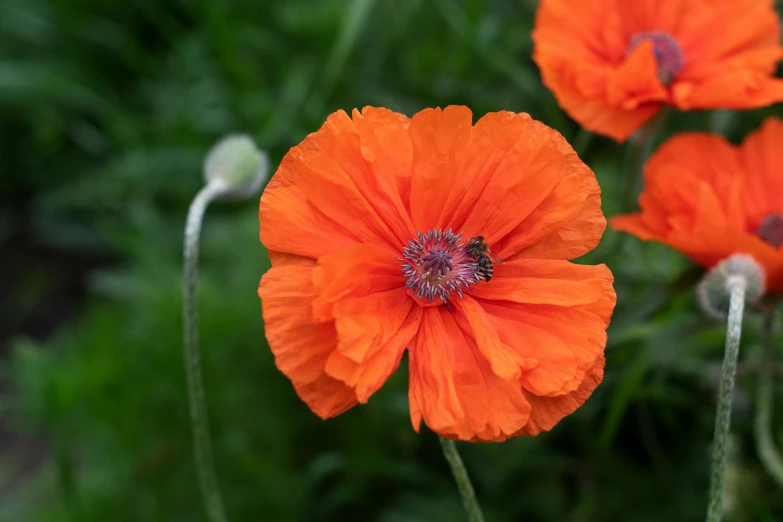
[
  {"x": 771, "y": 230},
  {"x": 668, "y": 53},
  {"x": 437, "y": 265}
]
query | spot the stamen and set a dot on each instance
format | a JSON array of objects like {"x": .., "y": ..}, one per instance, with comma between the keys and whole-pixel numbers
[
  {"x": 436, "y": 265},
  {"x": 771, "y": 230},
  {"x": 668, "y": 53}
]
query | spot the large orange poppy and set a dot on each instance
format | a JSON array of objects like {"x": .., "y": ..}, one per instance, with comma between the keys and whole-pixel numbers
[
  {"x": 612, "y": 64},
  {"x": 367, "y": 223},
  {"x": 710, "y": 199}
]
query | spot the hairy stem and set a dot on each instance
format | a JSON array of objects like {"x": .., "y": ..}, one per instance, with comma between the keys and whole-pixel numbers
[
  {"x": 202, "y": 448},
  {"x": 463, "y": 481},
  {"x": 765, "y": 441},
  {"x": 736, "y": 286}
]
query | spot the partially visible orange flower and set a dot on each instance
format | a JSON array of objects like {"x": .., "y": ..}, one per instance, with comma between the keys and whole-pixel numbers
[
  {"x": 367, "y": 222},
  {"x": 612, "y": 64},
  {"x": 709, "y": 199}
]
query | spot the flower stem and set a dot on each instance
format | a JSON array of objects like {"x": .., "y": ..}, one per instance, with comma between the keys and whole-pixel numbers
[
  {"x": 638, "y": 150},
  {"x": 463, "y": 481},
  {"x": 736, "y": 286},
  {"x": 202, "y": 448},
  {"x": 765, "y": 441}
]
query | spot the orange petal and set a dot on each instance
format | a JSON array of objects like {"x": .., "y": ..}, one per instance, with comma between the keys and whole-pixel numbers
[
  {"x": 514, "y": 163},
  {"x": 731, "y": 89},
  {"x": 300, "y": 345},
  {"x": 439, "y": 138},
  {"x": 567, "y": 224},
  {"x": 373, "y": 333},
  {"x": 564, "y": 342},
  {"x": 289, "y": 223},
  {"x": 503, "y": 361},
  {"x": 453, "y": 388},
  {"x": 546, "y": 412},
  {"x": 552, "y": 282},
  {"x": 762, "y": 156},
  {"x": 386, "y": 143},
  {"x": 546, "y": 282},
  {"x": 356, "y": 271},
  {"x": 708, "y": 245},
  {"x": 328, "y": 183},
  {"x": 597, "y": 115},
  {"x": 636, "y": 81}
]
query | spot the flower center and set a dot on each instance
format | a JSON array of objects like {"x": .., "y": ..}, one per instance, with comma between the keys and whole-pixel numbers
[
  {"x": 668, "y": 53},
  {"x": 437, "y": 264},
  {"x": 771, "y": 230}
]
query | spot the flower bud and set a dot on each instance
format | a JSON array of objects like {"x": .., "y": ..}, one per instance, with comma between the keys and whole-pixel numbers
[
  {"x": 238, "y": 164},
  {"x": 714, "y": 291}
]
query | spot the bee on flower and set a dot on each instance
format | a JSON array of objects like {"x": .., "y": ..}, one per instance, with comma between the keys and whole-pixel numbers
[{"x": 382, "y": 230}]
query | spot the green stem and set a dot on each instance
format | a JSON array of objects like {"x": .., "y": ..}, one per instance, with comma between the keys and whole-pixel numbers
[
  {"x": 202, "y": 448},
  {"x": 736, "y": 286},
  {"x": 67, "y": 477},
  {"x": 582, "y": 142},
  {"x": 765, "y": 441},
  {"x": 463, "y": 480}
]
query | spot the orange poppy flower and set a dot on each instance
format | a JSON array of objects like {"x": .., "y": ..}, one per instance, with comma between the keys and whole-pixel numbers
[
  {"x": 368, "y": 223},
  {"x": 709, "y": 199},
  {"x": 612, "y": 64}
]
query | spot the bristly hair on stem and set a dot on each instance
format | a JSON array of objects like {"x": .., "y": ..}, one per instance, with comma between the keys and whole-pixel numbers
[
  {"x": 768, "y": 453},
  {"x": 202, "y": 446},
  {"x": 736, "y": 286},
  {"x": 462, "y": 479},
  {"x": 234, "y": 169}
]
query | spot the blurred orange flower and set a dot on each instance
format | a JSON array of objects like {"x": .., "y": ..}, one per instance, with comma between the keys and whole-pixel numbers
[
  {"x": 710, "y": 199},
  {"x": 367, "y": 223},
  {"x": 612, "y": 64}
]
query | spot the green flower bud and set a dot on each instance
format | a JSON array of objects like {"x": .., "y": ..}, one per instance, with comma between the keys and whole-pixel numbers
[{"x": 238, "y": 165}]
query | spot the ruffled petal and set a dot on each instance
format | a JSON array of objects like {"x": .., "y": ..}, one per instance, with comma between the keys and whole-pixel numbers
[
  {"x": 327, "y": 188},
  {"x": 453, "y": 388},
  {"x": 551, "y": 282},
  {"x": 300, "y": 345},
  {"x": 567, "y": 224},
  {"x": 732, "y": 88},
  {"x": 355, "y": 271},
  {"x": 676, "y": 172},
  {"x": 504, "y": 362},
  {"x": 597, "y": 115},
  {"x": 373, "y": 332},
  {"x": 386, "y": 143},
  {"x": 546, "y": 412},
  {"x": 290, "y": 223},
  {"x": 361, "y": 289},
  {"x": 636, "y": 81},
  {"x": 439, "y": 138},
  {"x": 762, "y": 156},
  {"x": 513, "y": 163},
  {"x": 705, "y": 197},
  {"x": 564, "y": 343}
]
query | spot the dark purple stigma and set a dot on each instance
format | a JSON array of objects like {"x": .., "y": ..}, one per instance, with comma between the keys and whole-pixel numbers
[
  {"x": 771, "y": 230},
  {"x": 668, "y": 53},
  {"x": 437, "y": 261}
]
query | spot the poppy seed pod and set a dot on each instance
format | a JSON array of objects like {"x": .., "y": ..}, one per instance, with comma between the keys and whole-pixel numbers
[
  {"x": 239, "y": 164},
  {"x": 714, "y": 290}
]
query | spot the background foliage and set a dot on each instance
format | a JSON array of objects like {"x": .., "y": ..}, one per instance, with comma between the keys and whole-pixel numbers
[{"x": 107, "y": 110}]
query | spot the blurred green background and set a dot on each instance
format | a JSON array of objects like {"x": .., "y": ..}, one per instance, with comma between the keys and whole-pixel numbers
[{"x": 106, "y": 111}]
